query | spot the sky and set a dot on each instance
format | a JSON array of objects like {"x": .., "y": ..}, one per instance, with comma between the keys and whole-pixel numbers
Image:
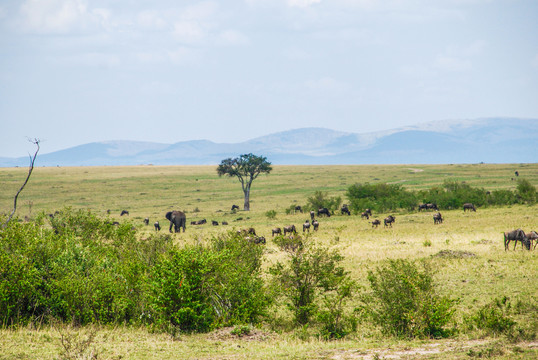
[{"x": 79, "y": 71}]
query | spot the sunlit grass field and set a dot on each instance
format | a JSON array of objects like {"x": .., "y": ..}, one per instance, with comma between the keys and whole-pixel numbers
[{"x": 488, "y": 272}]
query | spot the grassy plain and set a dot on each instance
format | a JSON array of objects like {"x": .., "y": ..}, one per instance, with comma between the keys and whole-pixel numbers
[{"x": 149, "y": 191}]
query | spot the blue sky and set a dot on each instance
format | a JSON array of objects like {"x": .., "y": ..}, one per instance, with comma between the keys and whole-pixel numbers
[{"x": 78, "y": 71}]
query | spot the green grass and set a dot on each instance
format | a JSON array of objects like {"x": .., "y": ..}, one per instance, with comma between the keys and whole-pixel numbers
[{"x": 151, "y": 191}]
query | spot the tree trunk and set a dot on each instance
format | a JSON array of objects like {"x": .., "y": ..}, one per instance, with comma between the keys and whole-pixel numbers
[{"x": 246, "y": 205}]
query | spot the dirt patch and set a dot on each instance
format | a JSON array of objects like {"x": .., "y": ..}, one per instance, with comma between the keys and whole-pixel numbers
[
  {"x": 455, "y": 254},
  {"x": 243, "y": 334},
  {"x": 416, "y": 170}
]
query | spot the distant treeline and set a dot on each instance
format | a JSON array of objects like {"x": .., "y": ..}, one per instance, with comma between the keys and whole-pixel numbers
[{"x": 451, "y": 195}]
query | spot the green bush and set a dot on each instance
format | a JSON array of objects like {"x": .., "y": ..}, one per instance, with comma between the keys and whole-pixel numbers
[
  {"x": 494, "y": 318},
  {"x": 526, "y": 191},
  {"x": 321, "y": 200},
  {"x": 270, "y": 214},
  {"x": 380, "y": 197},
  {"x": 404, "y": 301},
  {"x": 308, "y": 273},
  {"x": 198, "y": 288}
]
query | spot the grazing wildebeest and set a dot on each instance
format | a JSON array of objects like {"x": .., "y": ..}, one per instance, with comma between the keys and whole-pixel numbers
[
  {"x": 299, "y": 209},
  {"x": 290, "y": 229},
  {"x": 532, "y": 236},
  {"x": 124, "y": 212},
  {"x": 368, "y": 211},
  {"x": 376, "y": 223},
  {"x": 276, "y": 231},
  {"x": 345, "y": 210},
  {"x": 146, "y": 221},
  {"x": 312, "y": 214},
  {"x": 201, "y": 222},
  {"x": 214, "y": 223},
  {"x": 306, "y": 226},
  {"x": 517, "y": 173},
  {"x": 389, "y": 220},
  {"x": 315, "y": 224},
  {"x": 514, "y": 235},
  {"x": 324, "y": 211},
  {"x": 224, "y": 223},
  {"x": 468, "y": 206},
  {"x": 248, "y": 231},
  {"x": 365, "y": 215},
  {"x": 432, "y": 206},
  {"x": 177, "y": 220},
  {"x": 256, "y": 239},
  {"x": 235, "y": 207},
  {"x": 437, "y": 218},
  {"x": 193, "y": 222},
  {"x": 157, "y": 226},
  {"x": 422, "y": 207}
]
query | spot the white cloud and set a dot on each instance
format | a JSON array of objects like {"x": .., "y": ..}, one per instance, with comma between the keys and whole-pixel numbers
[
  {"x": 189, "y": 31},
  {"x": 52, "y": 16},
  {"x": 302, "y": 3},
  {"x": 452, "y": 64},
  {"x": 149, "y": 19},
  {"x": 232, "y": 37}
]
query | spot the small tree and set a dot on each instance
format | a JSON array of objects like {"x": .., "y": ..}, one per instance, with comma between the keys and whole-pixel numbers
[{"x": 246, "y": 168}]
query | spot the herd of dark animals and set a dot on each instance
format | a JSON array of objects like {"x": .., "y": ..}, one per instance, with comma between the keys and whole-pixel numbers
[{"x": 178, "y": 220}]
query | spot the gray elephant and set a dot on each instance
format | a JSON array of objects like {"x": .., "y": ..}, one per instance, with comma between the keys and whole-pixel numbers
[{"x": 177, "y": 219}]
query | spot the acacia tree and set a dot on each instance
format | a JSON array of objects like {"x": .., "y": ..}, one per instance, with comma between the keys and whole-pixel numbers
[{"x": 246, "y": 168}]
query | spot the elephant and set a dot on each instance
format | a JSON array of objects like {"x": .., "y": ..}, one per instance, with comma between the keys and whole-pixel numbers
[{"x": 177, "y": 219}]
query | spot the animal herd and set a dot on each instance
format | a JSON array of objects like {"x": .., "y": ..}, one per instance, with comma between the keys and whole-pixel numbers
[{"x": 178, "y": 220}]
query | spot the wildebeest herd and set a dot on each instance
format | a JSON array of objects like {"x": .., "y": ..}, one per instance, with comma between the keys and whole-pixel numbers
[{"x": 178, "y": 220}]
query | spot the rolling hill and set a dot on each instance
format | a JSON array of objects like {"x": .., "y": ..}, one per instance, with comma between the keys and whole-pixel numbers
[{"x": 489, "y": 140}]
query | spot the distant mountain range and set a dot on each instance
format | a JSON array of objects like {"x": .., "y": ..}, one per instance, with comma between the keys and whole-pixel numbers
[{"x": 489, "y": 140}]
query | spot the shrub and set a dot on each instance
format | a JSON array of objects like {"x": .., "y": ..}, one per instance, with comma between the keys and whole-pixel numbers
[
  {"x": 404, "y": 302},
  {"x": 526, "y": 191},
  {"x": 494, "y": 317},
  {"x": 198, "y": 288},
  {"x": 271, "y": 214},
  {"x": 380, "y": 197},
  {"x": 309, "y": 272},
  {"x": 321, "y": 199}
]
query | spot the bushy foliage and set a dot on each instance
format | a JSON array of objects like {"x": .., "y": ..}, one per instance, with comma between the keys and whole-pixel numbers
[
  {"x": 321, "y": 199},
  {"x": 73, "y": 267},
  {"x": 526, "y": 191},
  {"x": 494, "y": 317},
  {"x": 380, "y": 197},
  {"x": 310, "y": 275},
  {"x": 198, "y": 288},
  {"x": 404, "y": 301}
]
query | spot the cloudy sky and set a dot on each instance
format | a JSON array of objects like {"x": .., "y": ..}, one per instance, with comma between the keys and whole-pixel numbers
[{"x": 78, "y": 71}]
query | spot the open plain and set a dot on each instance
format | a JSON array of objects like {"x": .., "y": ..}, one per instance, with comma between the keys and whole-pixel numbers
[{"x": 466, "y": 250}]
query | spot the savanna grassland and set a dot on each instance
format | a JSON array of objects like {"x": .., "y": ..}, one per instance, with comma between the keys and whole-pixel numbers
[{"x": 466, "y": 251}]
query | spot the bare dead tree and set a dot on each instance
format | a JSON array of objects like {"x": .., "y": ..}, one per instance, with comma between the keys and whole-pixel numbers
[{"x": 30, "y": 169}]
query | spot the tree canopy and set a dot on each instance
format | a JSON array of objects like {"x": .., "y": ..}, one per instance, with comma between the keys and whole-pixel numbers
[{"x": 246, "y": 168}]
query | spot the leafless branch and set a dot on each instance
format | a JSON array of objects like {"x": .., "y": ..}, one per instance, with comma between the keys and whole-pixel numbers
[{"x": 30, "y": 169}]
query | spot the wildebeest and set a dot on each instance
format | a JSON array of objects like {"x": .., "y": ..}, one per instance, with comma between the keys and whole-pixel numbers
[
  {"x": 437, "y": 218},
  {"x": 256, "y": 239},
  {"x": 124, "y": 212},
  {"x": 376, "y": 223},
  {"x": 315, "y": 224},
  {"x": 177, "y": 220},
  {"x": 389, "y": 220},
  {"x": 201, "y": 222},
  {"x": 514, "y": 235},
  {"x": 235, "y": 207},
  {"x": 468, "y": 206},
  {"x": 299, "y": 209},
  {"x": 324, "y": 211},
  {"x": 532, "y": 236},
  {"x": 290, "y": 229},
  {"x": 429, "y": 206},
  {"x": 517, "y": 173},
  {"x": 146, "y": 221},
  {"x": 368, "y": 211},
  {"x": 224, "y": 223},
  {"x": 157, "y": 226},
  {"x": 345, "y": 210},
  {"x": 214, "y": 223},
  {"x": 312, "y": 214},
  {"x": 249, "y": 231},
  {"x": 306, "y": 226},
  {"x": 276, "y": 231},
  {"x": 365, "y": 215}
]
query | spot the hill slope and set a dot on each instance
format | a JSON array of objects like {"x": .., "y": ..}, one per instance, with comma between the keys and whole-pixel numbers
[{"x": 491, "y": 140}]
